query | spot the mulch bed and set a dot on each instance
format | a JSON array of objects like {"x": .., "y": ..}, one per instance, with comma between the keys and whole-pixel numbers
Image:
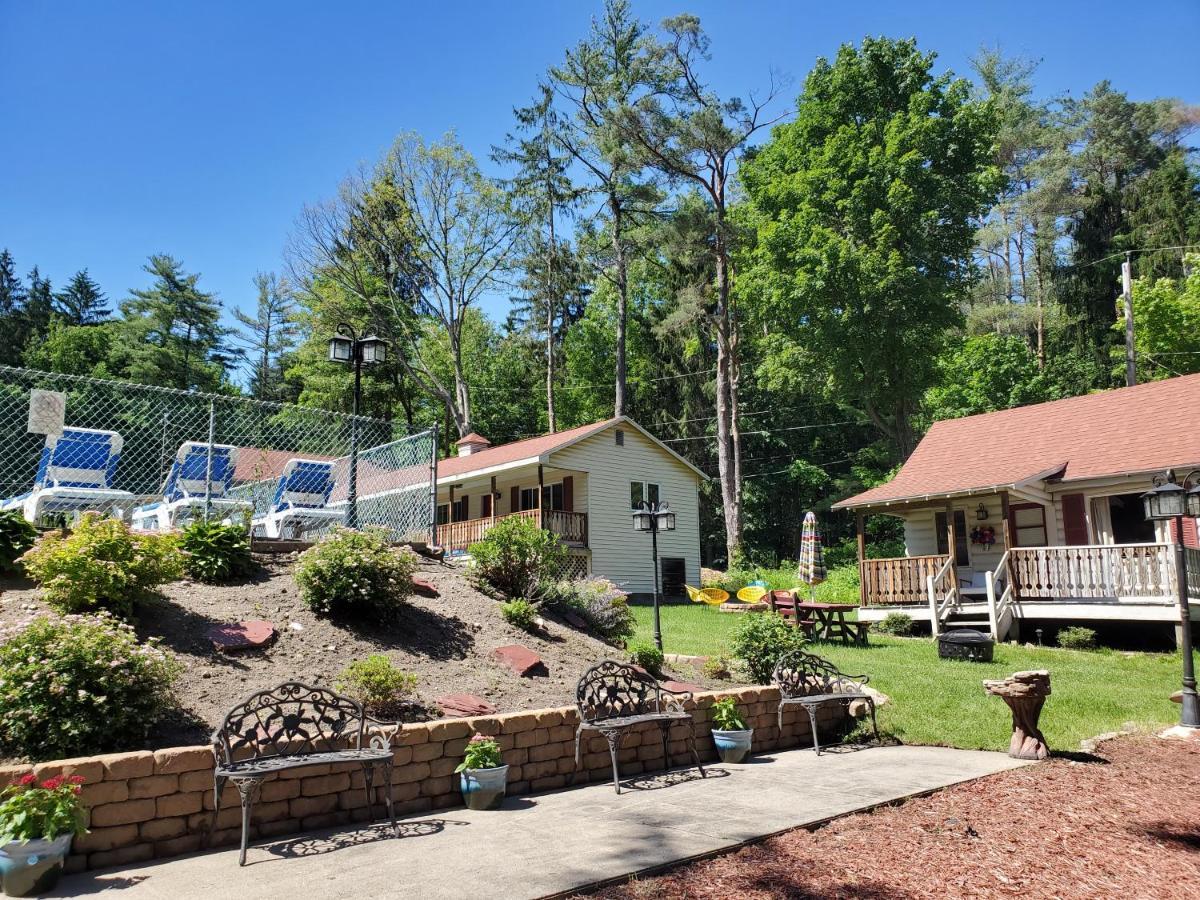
[{"x": 1124, "y": 822}]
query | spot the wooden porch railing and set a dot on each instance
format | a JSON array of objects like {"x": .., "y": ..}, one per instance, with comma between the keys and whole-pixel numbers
[
  {"x": 900, "y": 580},
  {"x": 572, "y": 527},
  {"x": 1099, "y": 570}
]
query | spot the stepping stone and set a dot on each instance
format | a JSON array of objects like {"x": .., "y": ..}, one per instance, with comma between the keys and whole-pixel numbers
[
  {"x": 423, "y": 587},
  {"x": 464, "y": 705},
  {"x": 249, "y": 635},
  {"x": 521, "y": 660},
  {"x": 681, "y": 686}
]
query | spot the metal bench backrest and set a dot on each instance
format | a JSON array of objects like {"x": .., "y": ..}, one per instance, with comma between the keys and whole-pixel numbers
[
  {"x": 292, "y": 718},
  {"x": 800, "y": 674},
  {"x": 610, "y": 689}
]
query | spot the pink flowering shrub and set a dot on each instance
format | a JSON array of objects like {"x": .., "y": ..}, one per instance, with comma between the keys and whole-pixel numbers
[
  {"x": 30, "y": 810},
  {"x": 353, "y": 572},
  {"x": 77, "y": 685}
]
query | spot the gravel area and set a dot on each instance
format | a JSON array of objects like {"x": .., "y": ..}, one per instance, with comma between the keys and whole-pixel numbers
[
  {"x": 445, "y": 641},
  {"x": 1122, "y": 822}
]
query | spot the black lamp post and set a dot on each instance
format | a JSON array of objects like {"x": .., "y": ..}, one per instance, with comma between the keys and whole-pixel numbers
[
  {"x": 347, "y": 347},
  {"x": 654, "y": 517},
  {"x": 1169, "y": 500}
]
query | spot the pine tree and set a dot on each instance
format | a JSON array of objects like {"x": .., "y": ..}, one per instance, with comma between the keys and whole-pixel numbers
[
  {"x": 81, "y": 302},
  {"x": 268, "y": 335},
  {"x": 38, "y": 308},
  {"x": 12, "y": 302}
]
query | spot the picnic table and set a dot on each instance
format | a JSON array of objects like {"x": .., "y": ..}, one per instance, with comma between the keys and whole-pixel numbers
[{"x": 827, "y": 622}]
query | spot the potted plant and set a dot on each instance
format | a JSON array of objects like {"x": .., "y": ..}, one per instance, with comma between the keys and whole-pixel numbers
[
  {"x": 729, "y": 732},
  {"x": 482, "y": 774},
  {"x": 37, "y": 823}
]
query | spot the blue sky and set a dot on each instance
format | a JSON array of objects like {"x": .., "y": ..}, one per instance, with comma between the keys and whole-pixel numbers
[{"x": 201, "y": 129}]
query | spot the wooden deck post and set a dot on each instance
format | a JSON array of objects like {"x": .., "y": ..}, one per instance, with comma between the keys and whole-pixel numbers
[
  {"x": 860, "y": 525},
  {"x": 450, "y": 514},
  {"x": 1006, "y": 530},
  {"x": 951, "y": 544},
  {"x": 541, "y": 501}
]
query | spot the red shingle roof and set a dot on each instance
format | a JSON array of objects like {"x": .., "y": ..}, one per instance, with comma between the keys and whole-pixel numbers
[
  {"x": 517, "y": 450},
  {"x": 1143, "y": 428}
]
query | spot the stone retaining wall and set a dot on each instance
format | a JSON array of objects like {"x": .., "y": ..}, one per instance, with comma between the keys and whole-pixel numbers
[{"x": 148, "y": 804}]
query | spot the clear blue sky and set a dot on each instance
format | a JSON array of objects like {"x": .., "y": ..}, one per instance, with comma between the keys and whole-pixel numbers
[{"x": 200, "y": 129}]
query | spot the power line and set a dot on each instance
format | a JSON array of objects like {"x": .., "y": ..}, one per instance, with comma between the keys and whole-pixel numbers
[{"x": 709, "y": 437}]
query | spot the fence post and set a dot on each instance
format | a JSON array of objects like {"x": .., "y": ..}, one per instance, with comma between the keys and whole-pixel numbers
[
  {"x": 212, "y": 431},
  {"x": 433, "y": 461}
]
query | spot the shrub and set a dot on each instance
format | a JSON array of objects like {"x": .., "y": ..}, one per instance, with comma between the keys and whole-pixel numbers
[
  {"x": 16, "y": 536},
  {"x": 760, "y": 639},
  {"x": 648, "y": 657},
  {"x": 350, "y": 572},
  {"x": 1077, "y": 638},
  {"x": 725, "y": 715},
  {"x": 520, "y": 613},
  {"x": 515, "y": 556},
  {"x": 840, "y": 585},
  {"x": 897, "y": 623},
  {"x": 75, "y": 685},
  {"x": 599, "y": 602},
  {"x": 482, "y": 753},
  {"x": 102, "y": 565},
  {"x": 379, "y": 686},
  {"x": 31, "y": 811},
  {"x": 216, "y": 552},
  {"x": 716, "y": 667}
]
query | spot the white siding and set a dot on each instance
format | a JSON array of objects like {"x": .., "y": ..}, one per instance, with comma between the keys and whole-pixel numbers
[
  {"x": 618, "y": 552},
  {"x": 920, "y": 532}
]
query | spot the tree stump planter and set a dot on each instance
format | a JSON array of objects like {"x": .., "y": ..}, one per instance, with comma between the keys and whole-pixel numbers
[{"x": 1025, "y": 693}]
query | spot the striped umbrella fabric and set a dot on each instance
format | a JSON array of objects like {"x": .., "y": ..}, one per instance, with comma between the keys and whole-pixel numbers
[{"x": 811, "y": 570}]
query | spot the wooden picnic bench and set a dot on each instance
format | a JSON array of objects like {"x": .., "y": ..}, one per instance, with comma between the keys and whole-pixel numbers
[
  {"x": 291, "y": 726},
  {"x": 820, "y": 621},
  {"x": 614, "y": 697},
  {"x": 807, "y": 680}
]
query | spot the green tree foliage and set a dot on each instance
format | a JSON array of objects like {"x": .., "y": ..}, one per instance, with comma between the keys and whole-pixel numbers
[
  {"x": 74, "y": 349},
  {"x": 864, "y": 208},
  {"x": 268, "y": 335},
  {"x": 81, "y": 302},
  {"x": 1166, "y": 324},
  {"x": 12, "y": 302},
  {"x": 983, "y": 373}
]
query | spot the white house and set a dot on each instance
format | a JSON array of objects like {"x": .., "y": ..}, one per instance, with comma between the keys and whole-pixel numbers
[
  {"x": 1035, "y": 513},
  {"x": 582, "y": 484}
]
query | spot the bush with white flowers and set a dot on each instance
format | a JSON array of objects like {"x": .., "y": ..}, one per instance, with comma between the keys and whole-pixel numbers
[
  {"x": 355, "y": 572},
  {"x": 80, "y": 684}
]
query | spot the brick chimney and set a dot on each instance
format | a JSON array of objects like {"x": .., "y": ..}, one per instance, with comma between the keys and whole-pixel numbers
[{"x": 472, "y": 443}]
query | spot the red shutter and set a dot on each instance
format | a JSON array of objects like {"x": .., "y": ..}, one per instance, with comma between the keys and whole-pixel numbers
[
  {"x": 1075, "y": 528},
  {"x": 466, "y": 506},
  {"x": 485, "y": 506},
  {"x": 1190, "y": 536},
  {"x": 569, "y": 493},
  {"x": 515, "y": 498}
]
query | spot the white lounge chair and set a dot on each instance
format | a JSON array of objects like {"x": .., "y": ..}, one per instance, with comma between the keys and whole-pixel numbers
[
  {"x": 300, "y": 506},
  {"x": 74, "y": 475},
  {"x": 183, "y": 492}
]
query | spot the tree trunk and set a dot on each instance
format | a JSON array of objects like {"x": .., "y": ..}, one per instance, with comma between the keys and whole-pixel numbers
[
  {"x": 1041, "y": 302},
  {"x": 620, "y": 404},
  {"x": 727, "y": 455},
  {"x": 551, "y": 303}
]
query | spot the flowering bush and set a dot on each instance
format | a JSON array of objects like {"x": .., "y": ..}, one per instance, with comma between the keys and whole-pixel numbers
[
  {"x": 516, "y": 555},
  {"x": 354, "y": 571},
  {"x": 603, "y": 605},
  {"x": 378, "y": 685},
  {"x": 482, "y": 753},
  {"x": 31, "y": 811},
  {"x": 216, "y": 552},
  {"x": 102, "y": 565},
  {"x": 74, "y": 685},
  {"x": 16, "y": 536}
]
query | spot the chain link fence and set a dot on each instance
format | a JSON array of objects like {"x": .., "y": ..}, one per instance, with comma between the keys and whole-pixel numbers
[{"x": 159, "y": 457}]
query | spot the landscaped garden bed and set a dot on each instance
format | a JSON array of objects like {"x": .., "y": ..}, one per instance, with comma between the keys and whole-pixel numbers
[{"x": 1119, "y": 823}]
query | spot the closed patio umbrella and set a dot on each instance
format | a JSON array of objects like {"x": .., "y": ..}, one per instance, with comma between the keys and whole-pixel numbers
[{"x": 811, "y": 570}]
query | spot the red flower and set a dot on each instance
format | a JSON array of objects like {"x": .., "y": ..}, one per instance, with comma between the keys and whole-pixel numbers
[
  {"x": 51, "y": 784},
  {"x": 76, "y": 779},
  {"x": 28, "y": 779}
]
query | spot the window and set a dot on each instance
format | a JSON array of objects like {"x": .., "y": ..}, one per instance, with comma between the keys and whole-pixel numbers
[
  {"x": 552, "y": 496},
  {"x": 529, "y": 498},
  {"x": 462, "y": 509},
  {"x": 961, "y": 544},
  {"x": 443, "y": 514},
  {"x": 642, "y": 490}
]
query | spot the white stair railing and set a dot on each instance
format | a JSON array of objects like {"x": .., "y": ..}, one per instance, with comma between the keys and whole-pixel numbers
[
  {"x": 1000, "y": 608},
  {"x": 939, "y": 610}
]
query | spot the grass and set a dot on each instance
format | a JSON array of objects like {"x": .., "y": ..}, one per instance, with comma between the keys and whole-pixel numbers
[{"x": 936, "y": 701}]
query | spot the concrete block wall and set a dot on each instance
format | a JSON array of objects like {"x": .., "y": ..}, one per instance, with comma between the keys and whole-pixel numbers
[{"x": 146, "y": 804}]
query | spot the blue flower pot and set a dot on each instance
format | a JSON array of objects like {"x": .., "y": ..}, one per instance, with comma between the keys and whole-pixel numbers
[
  {"x": 483, "y": 788},
  {"x": 28, "y": 868},
  {"x": 732, "y": 746}
]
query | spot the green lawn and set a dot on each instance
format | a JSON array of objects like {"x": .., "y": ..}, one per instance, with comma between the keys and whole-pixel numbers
[{"x": 935, "y": 701}]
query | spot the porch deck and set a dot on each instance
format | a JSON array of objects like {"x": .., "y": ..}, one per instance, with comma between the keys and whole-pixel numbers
[{"x": 571, "y": 527}]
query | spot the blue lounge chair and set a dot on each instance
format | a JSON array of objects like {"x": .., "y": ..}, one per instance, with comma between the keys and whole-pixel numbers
[
  {"x": 301, "y": 504},
  {"x": 74, "y": 475},
  {"x": 183, "y": 492}
]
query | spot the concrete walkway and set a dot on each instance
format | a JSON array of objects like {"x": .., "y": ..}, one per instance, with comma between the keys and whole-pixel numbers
[{"x": 556, "y": 842}]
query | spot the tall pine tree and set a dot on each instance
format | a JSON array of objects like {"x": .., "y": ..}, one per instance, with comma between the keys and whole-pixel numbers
[{"x": 81, "y": 302}]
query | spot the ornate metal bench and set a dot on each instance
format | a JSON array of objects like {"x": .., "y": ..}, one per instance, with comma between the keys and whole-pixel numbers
[
  {"x": 613, "y": 697},
  {"x": 291, "y": 726},
  {"x": 809, "y": 681}
]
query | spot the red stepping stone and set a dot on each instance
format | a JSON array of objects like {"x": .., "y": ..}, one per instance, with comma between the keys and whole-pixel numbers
[
  {"x": 681, "y": 686},
  {"x": 249, "y": 635},
  {"x": 464, "y": 705},
  {"x": 424, "y": 588},
  {"x": 521, "y": 660}
]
